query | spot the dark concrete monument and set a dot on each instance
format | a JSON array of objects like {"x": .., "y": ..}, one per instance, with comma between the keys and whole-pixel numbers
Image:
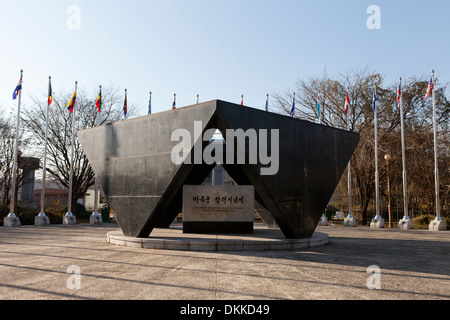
[{"x": 293, "y": 165}]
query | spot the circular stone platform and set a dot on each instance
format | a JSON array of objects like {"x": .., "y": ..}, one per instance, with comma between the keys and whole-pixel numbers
[{"x": 173, "y": 238}]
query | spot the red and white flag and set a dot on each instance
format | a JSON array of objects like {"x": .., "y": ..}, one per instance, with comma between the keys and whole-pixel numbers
[
  {"x": 347, "y": 104},
  {"x": 430, "y": 88}
]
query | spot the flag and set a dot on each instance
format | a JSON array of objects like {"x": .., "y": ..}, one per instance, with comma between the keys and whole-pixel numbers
[
  {"x": 430, "y": 88},
  {"x": 174, "y": 105},
  {"x": 98, "y": 102},
  {"x": 125, "y": 105},
  {"x": 293, "y": 107},
  {"x": 50, "y": 98},
  {"x": 374, "y": 99},
  {"x": 318, "y": 105},
  {"x": 399, "y": 94},
  {"x": 267, "y": 103},
  {"x": 347, "y": 103},
  {"x": 71, "y": 103},
  {"x": 242, "y": 100},
  {"x": 18, "y": 88}
]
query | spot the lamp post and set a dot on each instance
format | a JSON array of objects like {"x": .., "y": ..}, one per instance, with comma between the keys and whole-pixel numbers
[{"x": 388, "y": 157}]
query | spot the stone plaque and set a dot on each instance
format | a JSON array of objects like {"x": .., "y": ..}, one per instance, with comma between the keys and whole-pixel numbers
[{"x": 218, "y": 209}]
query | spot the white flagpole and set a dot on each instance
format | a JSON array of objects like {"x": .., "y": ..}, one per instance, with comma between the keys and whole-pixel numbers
[
  {"x": 436, "y": 170},
  {"x": 377, "y": 180},
  {"x": 350, "y": 215},
  {"x": 69, "y": 204},
  {"x": 44, "y": 169},
  {"x": 405, "y": 196},
  {"x": 16, "y": 150},
  {"x": 96, "y": 180}
]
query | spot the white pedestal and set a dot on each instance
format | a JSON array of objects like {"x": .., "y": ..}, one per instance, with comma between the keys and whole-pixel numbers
[
  {"x": 69, "y": 220},
  {"x": 323, "y": 221},
  {"x": 95, "y": 218},
  {"x": 406, "y": 224},
  {"x": 11, "y": 222},
  {"x": 377, "y": 223},
  {"x": 350, "y": 222},
  {"x": 438, "y": 225},
  {"x": 41, "y": 221}
]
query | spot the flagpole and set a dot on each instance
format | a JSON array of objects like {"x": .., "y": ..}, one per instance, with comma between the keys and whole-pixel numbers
[
  {"x": 69, "y": 204},
  {"x": 377, "y": 180},
  {"x": 96, "y": 180},
  {"x": 198, "y": 96},
  {"x": 350, "y": 215},
  {"x": 436, "y": 170},
  {"x": 405, "y": 197},
  {"x": 44, "y": 169},
  {"x": 16, "y": 150}
]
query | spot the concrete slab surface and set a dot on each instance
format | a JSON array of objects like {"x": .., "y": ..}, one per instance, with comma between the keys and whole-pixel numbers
[{"x": 43, "y": 263}]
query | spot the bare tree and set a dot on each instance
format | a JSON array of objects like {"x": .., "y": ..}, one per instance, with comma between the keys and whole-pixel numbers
[
  {"x": 7, "y": 144},
  {"x": 6, "y": 160},
  {"x": 418, "y": 131},
  {"x": 60, "y": 132}
]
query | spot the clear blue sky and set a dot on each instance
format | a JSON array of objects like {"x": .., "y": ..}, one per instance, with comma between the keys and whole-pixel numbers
[{"x": 218, "y": 49}]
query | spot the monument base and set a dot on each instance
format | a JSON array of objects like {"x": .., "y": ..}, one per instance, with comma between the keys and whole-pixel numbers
[
  {"x": 406, "y": 224},
  {"x": 377, "y": 223},
  {"x": 11, "y": 222},
  {"x": 439, "y": 225},
  {"x": 263, "y": 239},
  {"x": 323, "y": 221},
  {"x": 95, "y": 218},
  {"x": 216, "y": 227},
  {"x": 350, "y": 222},
  {"x": 69, "y": 220},
  {"x": 41, "y": 221}
]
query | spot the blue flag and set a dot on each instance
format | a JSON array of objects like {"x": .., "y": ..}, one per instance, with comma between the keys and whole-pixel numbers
[
  {"x": 150, "y": 104},
  {"x": 18, "y": 88},
  {"x": 318, "y": 106},
  {"x": 293, "y": 107},
  {"x": 374, "y": 99}
]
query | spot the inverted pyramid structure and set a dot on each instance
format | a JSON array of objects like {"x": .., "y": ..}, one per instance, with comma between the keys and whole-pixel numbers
[{"x": 132, "y": 159}]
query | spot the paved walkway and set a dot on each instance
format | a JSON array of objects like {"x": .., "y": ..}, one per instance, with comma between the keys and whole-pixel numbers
[{"x": 34, "y": 264}]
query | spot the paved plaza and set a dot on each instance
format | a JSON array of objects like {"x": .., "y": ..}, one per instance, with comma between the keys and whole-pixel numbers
[{"x": 44, "y": 262}]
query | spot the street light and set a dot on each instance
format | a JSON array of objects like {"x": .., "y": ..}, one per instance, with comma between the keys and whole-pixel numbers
[{"x": 388, "y": 157}]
